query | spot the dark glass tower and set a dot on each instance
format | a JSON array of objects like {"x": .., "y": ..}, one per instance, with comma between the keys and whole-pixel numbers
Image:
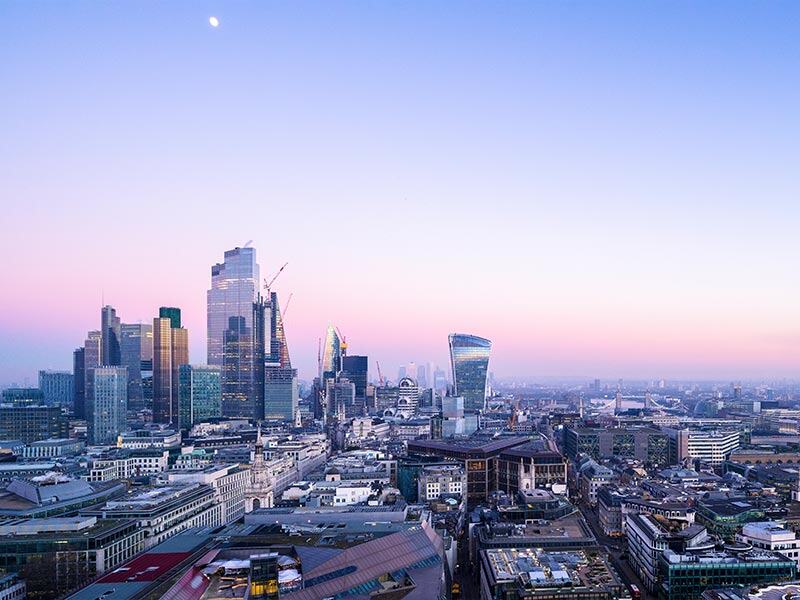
[
  {"x": 110, "y": 331},
  {"x": 356, "y": 369}
]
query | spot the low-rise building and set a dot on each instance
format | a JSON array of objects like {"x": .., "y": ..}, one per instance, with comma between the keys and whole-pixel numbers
[
  {"x": 53, "y": 448},
  {"x": 141, "y": 439},
  {"x": 55, "y": 555},
  {"x": 161, "y": 512},
  {"x": 126, "y": 464},
  {"x": 533, "y": 573},
  {"x": 530, "y": 467},
  {"x": 591, "y": 477},
  {"x": 228, "y": 482},
  {"x": 688, "y": 576},
  {"x": 769, "y": 535},
  {"x": 437, "y": 480}
]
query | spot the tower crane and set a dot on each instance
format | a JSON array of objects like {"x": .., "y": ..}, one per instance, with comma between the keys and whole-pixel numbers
[
  {"x": 286, "y": 306},
  {"x": 342, "y": 342},
  {"x": 380, "y": 375},
  {"x": 268, "y": 284}
]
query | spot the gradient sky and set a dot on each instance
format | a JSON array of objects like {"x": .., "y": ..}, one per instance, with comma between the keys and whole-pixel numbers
[{"x": 601, "y": 188}]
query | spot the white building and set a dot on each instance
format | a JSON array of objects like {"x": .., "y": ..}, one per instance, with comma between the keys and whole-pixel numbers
[
  {"x": 711, "y": 446},
  {"x": 127, "y": 464},
  {"x": 228, "y": 481},
  {"x": 165, "y": 511},
  {"x": 770, "y": 535}
]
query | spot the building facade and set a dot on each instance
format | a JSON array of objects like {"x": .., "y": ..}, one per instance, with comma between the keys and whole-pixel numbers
[
  {"x": 469, "y": 361},
  {"x": 200, "y": 394},
  {"x": 58, "y": 388},
  {"x": 107, "y": 406},
  {"x": 170, "y": 351}
]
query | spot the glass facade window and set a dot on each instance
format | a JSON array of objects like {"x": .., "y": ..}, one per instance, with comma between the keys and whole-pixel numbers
[
  {"x": 107, "y": 404},
  {"x": 200, "y": 394},
  {"x": 469, "y": 360}
]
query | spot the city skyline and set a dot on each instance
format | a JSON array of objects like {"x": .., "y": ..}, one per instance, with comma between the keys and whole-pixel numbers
[{"x": 601, "y": 191}]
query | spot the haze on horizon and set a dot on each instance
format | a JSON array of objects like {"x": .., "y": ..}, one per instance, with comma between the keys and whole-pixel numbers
[{"x": 603, "y": 190}]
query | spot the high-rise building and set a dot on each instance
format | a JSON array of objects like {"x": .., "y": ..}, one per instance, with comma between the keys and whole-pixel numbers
[
  {"x": 234, "y": 288},
  {"x": 32, "y": 423},
  {"x": 356, "y": 369},
  {"x": 331, "y": 354},
  {"x": 107, "y": 404},
  {"x": 57, "y": 388},
  {"x": 237, "y": 370},
  {"x": 469, "y": 360},
  {"x": 79, "y": 382},
  {"x": 92, "y": 357},
  {"x": 200, "y": 394},
  {"x": 440, "y": 381},
  {"x": 280, "y": 394},
  {"x": 423, "y": 380},
  {"x": 136, "y": 352},
  {"x": 110, "y": 331},
  {"x": 170, "y": 351}
]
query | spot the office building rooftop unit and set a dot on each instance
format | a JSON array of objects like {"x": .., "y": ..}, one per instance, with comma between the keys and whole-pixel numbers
[{"x": 533, "y": 573}]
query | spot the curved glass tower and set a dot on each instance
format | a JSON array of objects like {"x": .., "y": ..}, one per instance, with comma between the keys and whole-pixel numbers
[{"x": 469, "y": 359}]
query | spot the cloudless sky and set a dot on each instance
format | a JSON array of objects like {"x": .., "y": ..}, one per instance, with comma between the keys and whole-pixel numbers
[{"x": 601, "y": 188}]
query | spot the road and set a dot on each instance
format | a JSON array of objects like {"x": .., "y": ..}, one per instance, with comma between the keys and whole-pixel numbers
[{"x": 615, "y": 548}]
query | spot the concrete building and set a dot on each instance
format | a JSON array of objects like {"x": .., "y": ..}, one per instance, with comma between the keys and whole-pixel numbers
[
  {"x": 164, "y": 511},
  {"x": 529, "y": 467},
  {"x": 227, "y": 481},
  {"x": 769, "y": 535},
  {"x": 438, "y": 480},
  {"x": 708, "y": 445}
]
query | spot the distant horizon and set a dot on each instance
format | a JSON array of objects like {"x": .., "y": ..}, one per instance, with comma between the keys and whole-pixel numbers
[{"x": 596, "y": 188}]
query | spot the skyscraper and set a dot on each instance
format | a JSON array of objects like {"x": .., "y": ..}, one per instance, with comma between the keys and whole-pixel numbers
[
  {"x": 79, "y": 382},
  {"x": 107, "y": 404},
  {"x": 170, "y": 351},
  {"x": 237, "y": 370},
  {"x": 356, "y": 369},
  {"x": 92, "y": 357},
  {"x": 469, "y": 359},
  {"x": 234, "y": 288},
  {"x": 136, "y": 351},
  {"x": 280, "y": 379},
  {"x": 331, "y": 354},
  {"x": 110, "y": 327},
  {"x": 200, "y": 394}
]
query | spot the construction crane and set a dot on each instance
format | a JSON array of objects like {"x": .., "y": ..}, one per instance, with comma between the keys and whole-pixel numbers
[
  {"x": 342, "y": 342},
  {"x": 380, "y": 375},
  {"x": 286, "y": 306},
  {"x": 268, "y": 284},
  {"x": 247, "y": 245}
]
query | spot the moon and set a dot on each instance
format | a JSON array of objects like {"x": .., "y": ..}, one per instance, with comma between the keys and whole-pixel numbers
[{"x": 213, "y": 21}]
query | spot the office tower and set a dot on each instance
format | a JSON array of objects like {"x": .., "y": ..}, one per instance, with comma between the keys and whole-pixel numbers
[
  {"x": 200, "y": 394},
  {"x": 170, "y": 351},
  {"x": 92, "y": 357},
  {"x": 331, "y": 354},
  {"x": 280, "y": 379},
  {"x": 23, "y": 396},
  {"x": 79, "y": 381},
  {"x": 107, "y": 404},
  {"x": 57, "y": 387},
  {"x": 237, "y": 371},
  {"x": 110, "y": 336},
  {"x": 356, "y": 369},
  {"x": 440, "y": 381},
  {"x": 136, "y": 351},
  {"x": 234, "y": 288},
  {"x": 280, "y": 394},
  {"x": 402, "y": 372},
  {"x": 469, "y": 359},
  {"x": 32, "y": 423},
  {"x": 422, "y": 376}
]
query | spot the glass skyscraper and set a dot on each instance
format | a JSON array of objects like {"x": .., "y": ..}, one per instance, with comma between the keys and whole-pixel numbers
[
  {"x": 107, "y": 403},
  {"x": 280, "y": 379},
  {"x": 469, "y": 359},
  {"x": 331, "y": 355},
  {"x": 136, "y": 350},
  {"x": 110, "y": 330},
  {"x": 234, "y": 288},
  {"x": 170, "y": 351},
  {"x": 200, "y": 394}
]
